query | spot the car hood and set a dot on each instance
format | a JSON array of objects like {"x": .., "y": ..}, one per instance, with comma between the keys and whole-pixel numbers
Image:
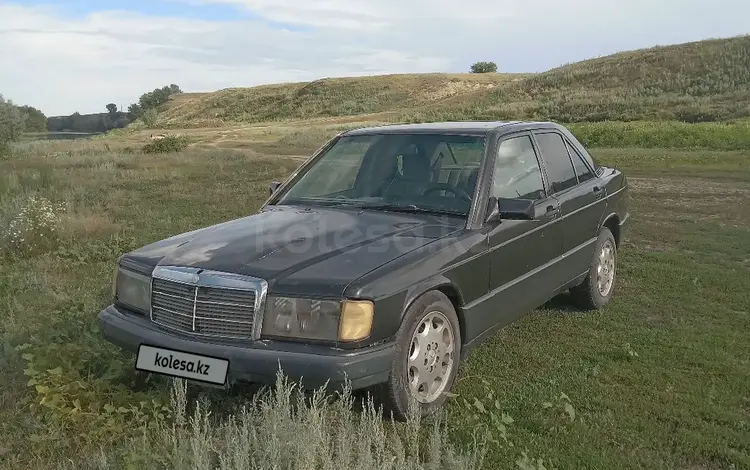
[{"x": 300, "y": 251}]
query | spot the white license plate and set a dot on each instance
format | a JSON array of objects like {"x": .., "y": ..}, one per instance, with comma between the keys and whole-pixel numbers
[{"x": 181, "y": 364}]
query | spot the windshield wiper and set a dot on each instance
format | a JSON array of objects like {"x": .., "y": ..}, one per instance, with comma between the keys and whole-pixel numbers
[
  {"x": 411, "y": 208},
  {"x": 320, "y": 202}
]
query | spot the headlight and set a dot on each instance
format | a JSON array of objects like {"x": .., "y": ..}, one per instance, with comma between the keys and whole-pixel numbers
[
  {"x": 322, "y": 320},
  {"x": 133, "y": 290},
  {"x": 301, "y": 318}
]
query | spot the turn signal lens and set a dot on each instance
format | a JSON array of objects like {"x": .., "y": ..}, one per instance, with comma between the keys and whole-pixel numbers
[
  {"x": 114, "y": 282},
  {"x": 114, "y": 278},
  {"x": 356, "y": 320}
]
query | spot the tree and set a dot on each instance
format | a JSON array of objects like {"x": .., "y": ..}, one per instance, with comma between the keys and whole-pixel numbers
[
  {"x": 484, "y": 67},
  {"x": 134, "y": 111},
  {"x": 157, "y": 97},
  {"x": 12, "y": 123},
  {"x": 112, "y": 108},
  {"x": 35, "y": 120}
]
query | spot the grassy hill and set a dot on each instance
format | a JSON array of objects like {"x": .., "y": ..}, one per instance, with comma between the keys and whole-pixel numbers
[
  {"x": 326, "y": 97},
  {"x": 693, "y": 82}
]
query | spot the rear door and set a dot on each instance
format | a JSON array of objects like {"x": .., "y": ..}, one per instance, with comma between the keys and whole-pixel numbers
[{"x": 574, "y": 184}]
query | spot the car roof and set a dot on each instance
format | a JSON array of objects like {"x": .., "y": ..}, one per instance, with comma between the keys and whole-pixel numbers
[{"x": 447, "y": 127}]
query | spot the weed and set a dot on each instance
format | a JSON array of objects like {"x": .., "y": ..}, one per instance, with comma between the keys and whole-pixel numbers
[
  {"x": 34, "y": 228},
  {"x": 524, "y": 462},
  {"x": 488, "y": 414},
  {"x": 563, "y": 405}
]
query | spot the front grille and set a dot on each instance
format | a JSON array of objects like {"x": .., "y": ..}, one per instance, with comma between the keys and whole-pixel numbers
[{"x": 203, "y": 310}]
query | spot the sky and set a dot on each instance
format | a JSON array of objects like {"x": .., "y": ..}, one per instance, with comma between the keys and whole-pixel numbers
[{"x": 63, "y": 56}]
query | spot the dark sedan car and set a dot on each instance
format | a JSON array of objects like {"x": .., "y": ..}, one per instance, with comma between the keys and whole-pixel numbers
[{"x": 381, "y": 261}]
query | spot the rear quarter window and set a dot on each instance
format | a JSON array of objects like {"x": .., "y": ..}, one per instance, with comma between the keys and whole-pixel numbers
[
  {"x": 576, "y": 144},
  {"x": 582, "y": 169}
]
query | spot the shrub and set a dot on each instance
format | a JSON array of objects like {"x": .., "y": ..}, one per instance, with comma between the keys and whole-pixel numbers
[
  {"x": 170, "y": 143},
  {"x": 150, "y": 117},
  {"x": 285, "y": 429}
]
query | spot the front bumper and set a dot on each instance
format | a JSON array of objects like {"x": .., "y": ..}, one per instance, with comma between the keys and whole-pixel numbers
[{"x": 258, "y": 361}]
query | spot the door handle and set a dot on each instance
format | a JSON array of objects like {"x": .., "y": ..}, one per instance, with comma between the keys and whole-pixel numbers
[
  {"x": 553, "y": 210},
  {"x": 598, "y": 192}
]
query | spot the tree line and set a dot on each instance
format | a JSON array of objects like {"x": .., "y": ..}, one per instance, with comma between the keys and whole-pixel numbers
[
  {"x": 113, "y": 118},
  {"x": 17, "y": 120},
  {"x": 89, "y": 123}
]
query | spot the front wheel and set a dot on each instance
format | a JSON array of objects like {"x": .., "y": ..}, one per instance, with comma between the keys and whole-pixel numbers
[
  {"x": 428, "y": 351},
  {"x": 597, "y": 289}
]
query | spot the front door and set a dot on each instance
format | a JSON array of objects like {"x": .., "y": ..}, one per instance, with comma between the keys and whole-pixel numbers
[{"x": 520, "y": 251}]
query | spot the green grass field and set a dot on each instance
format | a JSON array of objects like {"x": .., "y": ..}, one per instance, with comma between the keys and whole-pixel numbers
[{"x": 658, "y": 379}]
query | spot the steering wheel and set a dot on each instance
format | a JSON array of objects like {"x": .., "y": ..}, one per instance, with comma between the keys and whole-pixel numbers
[{"x": 460, "y": 193}]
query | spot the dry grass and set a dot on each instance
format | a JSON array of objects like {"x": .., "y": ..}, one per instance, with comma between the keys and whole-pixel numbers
[
  {"x": 74, "y": 226},
  {"x": 299, "y": 138},
  {"x": 321, "y": 98}
]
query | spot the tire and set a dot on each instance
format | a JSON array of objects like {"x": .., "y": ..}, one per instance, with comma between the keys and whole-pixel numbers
[
  {"x": 396, "y": 394},
  {"x": 588, "y": 295}
]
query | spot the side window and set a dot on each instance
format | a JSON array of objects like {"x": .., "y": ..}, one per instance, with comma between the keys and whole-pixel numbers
[
  {"x": 517, "y": 173},
  {"x": 583, "y": 171},
  {"x": 559, "y": 168}
]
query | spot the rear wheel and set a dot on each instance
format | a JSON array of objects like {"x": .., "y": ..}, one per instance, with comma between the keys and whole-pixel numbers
[
  {"x": 428, "y": 350},
  {"x": 597, "y": 289}
]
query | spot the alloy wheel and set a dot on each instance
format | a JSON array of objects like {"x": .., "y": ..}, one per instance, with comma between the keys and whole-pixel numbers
[{"x": 430, "y": 360}]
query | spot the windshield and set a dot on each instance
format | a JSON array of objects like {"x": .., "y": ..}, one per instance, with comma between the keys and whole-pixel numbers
[{"x": 412, "y": 172}]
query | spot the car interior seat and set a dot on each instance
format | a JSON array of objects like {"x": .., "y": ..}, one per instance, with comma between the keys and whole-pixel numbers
[{"x": 412, "y": 176}]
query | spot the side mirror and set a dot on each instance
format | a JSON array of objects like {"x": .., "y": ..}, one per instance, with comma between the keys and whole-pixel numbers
[
  {"x": 493, "y": 211},
  {"x": 510, "y": 209},
  {"x": 273, "y": 187}
]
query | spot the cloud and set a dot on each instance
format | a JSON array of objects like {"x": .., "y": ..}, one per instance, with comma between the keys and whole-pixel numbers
[
  {"x": 373, "y": 14},
  {"x": 62, "y": 63}
]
